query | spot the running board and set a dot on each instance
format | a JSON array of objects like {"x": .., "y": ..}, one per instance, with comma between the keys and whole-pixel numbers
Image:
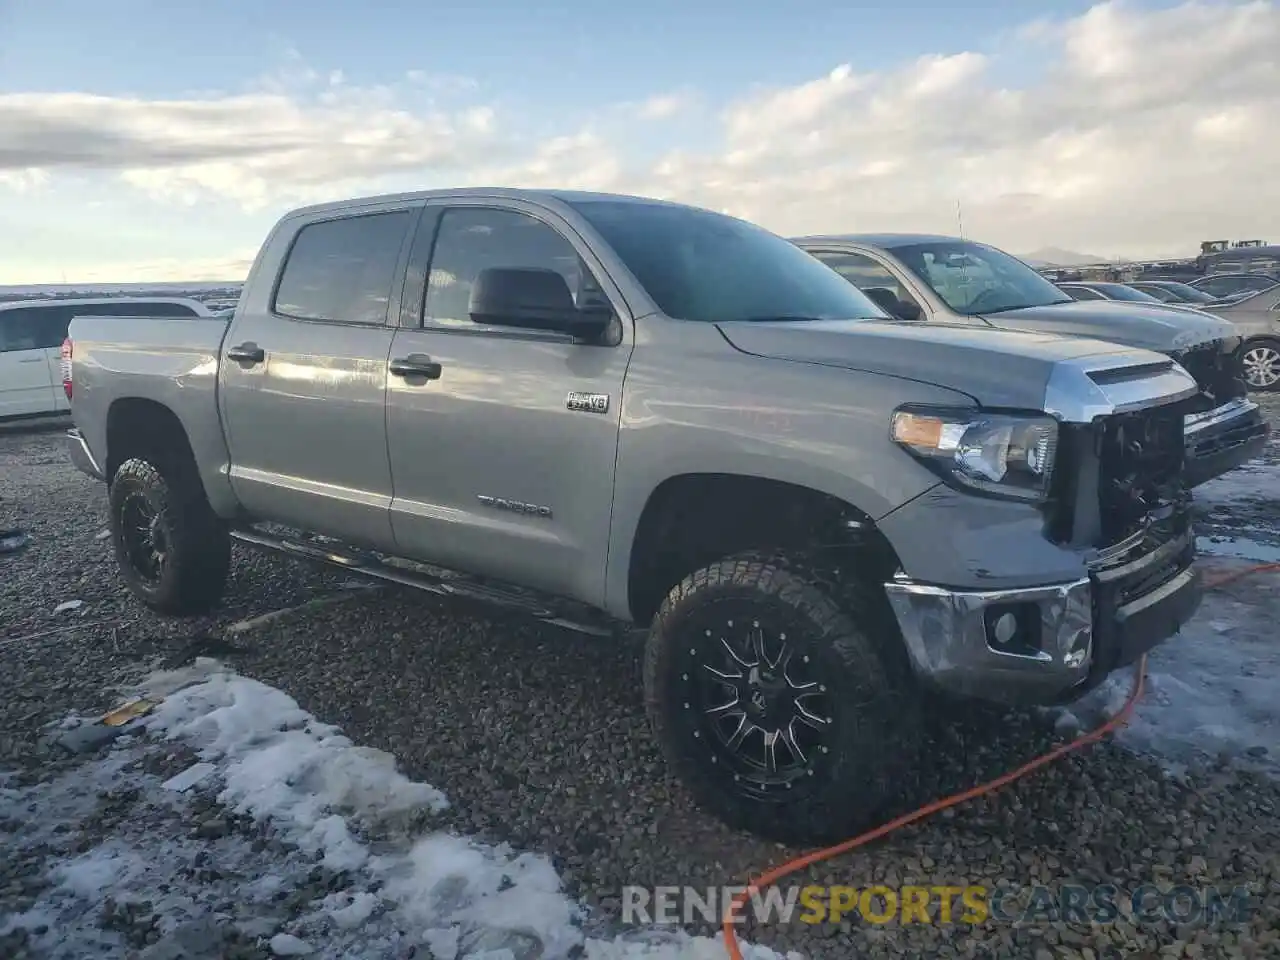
[{"x": 458, "y": 585}]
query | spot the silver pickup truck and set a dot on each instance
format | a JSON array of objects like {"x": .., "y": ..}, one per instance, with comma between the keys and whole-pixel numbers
[
  {"x": 951, "y": 280},
  {"x": 619, "y": 414}
]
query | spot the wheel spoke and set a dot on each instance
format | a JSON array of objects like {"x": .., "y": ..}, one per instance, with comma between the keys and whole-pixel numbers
[
  {"x": 744, "y": 730},
  {"x": 757, "y": 647},
  {"x": 725, "y": 709},
  {"x": 788, "y": 735},
  {"x": 771, "y": 751},
  {"x": 737, "y": 658},
  {"x": 720, "y": 675},
  {"x": 809, "y": 719}
]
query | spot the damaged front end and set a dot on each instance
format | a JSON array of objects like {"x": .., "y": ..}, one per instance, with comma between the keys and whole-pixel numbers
[
  {"x": 1223, "y": 428},
  {"x": 1117, "y": 522},
  {"x": 1127, "y": 505}
]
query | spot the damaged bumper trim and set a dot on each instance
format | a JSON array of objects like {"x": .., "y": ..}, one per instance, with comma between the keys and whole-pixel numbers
[
  {"x": 82, "y": 456},
  {"x": 1222, "y": 439},
  {"x": 955, "y": 638},
  {"x": 1056, "y": 641}
]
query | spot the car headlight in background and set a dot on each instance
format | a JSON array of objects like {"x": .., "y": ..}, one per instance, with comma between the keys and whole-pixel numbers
[{"x": 1002, "y": 455}]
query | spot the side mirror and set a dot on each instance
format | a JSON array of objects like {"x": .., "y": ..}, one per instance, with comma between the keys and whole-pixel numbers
[{"x": 532, "y": 299}]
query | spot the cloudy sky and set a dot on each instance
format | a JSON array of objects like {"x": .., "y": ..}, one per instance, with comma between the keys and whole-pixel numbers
[{"x": 158, "y": 140}]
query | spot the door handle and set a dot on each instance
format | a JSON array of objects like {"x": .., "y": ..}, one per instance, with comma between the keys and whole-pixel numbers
[
  {"x": 247, "y": 353},
  {"x": 34, "y": 360},
  {"x": 416, "y": 365}
]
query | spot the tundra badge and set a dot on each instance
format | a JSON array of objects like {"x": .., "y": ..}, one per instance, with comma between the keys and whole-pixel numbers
[
  {"x": 588, "y": 402},
  {"x": 516, "y": 506}
]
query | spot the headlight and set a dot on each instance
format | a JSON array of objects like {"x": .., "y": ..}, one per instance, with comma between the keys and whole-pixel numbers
[{"x": 998, "y": 454}]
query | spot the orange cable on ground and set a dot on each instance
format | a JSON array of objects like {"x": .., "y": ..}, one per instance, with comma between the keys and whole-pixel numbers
[{"x": 799, "y": 863}]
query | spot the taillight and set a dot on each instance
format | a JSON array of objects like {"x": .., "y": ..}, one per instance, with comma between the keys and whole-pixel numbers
[{"x": 66, "y": 367}]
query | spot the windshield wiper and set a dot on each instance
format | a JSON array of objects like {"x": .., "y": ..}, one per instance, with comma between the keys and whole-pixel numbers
[
  {"x": 779, "y": 318},
  {"x": 1026, "y": 306},
  {"x": 799, "y": 318}
]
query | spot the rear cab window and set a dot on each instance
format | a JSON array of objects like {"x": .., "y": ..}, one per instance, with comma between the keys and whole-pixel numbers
[{"x": 343, "y": 270}]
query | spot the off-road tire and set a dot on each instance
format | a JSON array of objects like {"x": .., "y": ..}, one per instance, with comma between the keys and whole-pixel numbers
[
  {"x": 198, "y": 561},
  {"x": 875, "y": 740}
]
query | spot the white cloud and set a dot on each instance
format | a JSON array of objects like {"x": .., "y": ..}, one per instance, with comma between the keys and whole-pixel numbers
[
  {"x": 665, "y": 106},
  {"x": 1138, "y": 132}
]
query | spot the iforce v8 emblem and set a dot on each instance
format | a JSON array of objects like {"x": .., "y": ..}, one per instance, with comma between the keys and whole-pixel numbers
[{"x": 588, "y": 402}]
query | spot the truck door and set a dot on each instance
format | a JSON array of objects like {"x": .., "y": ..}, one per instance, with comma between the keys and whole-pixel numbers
[
  {"x": 496, "y": 470},
  {"x": 303, "y": 375},
  {"x": 26, "y": 388}
]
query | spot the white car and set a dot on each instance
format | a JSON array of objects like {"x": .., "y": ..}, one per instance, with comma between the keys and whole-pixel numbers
[{"x": 31, "y": 335}]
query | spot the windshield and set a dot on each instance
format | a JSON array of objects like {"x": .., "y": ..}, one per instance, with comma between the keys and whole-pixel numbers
[
  {"x": 704, "y": 266},
  {"x": 1118, "y": 291},
  {"x": 972, "y": 278},
  {"x": 1188, "y": 291}
]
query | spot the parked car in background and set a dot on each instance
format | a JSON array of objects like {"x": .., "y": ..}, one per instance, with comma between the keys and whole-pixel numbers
[
  {"x": 949, "y": 280},
  {"x": 31, "y": 335},
  {"x": 1257, "y": 319},
  {"x": 1105, "y": 290},
  {"x": 1233, "y": 284},
  {"x": 1174, "y": 291}
]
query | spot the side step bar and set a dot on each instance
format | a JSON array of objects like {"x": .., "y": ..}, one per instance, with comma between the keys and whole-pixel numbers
[{"x": 369, "y": 565}]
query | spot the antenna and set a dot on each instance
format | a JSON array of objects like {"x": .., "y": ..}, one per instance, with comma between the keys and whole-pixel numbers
[{"x": 960, "y": 219}]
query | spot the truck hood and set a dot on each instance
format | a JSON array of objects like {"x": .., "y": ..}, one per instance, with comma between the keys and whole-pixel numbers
[
  {"x": 1149, "y": 327},
  {"x": 997, "y": 368}
]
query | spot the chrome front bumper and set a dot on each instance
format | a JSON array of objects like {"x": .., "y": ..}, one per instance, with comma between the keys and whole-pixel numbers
[
  {"x": 1057, "y": 640},
  {"x": 1222, "y": 439},
  {"x": 82, "y": 456},
  {"x": 949, "y": 636}
]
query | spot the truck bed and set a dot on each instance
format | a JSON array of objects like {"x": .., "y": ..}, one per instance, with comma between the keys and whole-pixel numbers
[{"x": 171, "y": 361}]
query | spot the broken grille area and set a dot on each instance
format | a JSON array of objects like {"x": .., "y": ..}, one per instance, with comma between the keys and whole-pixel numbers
[
  {"x": 1118, "y": 477},
  {"x": 1217, "y": 370},
  {"x": 1140, "y": 463}
]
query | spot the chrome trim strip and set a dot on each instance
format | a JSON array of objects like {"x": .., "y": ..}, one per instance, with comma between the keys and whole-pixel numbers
[
  {"x": 1195, "y": 422},
  {"x": 81, "y": 456},
  {"x": 1073, "y": 396}
]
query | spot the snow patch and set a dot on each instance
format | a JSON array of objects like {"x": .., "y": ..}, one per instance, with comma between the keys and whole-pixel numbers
[
  {"x": 1256, "y": 481},
  {"x": 453, "y": 895},
  {"x": 1212, "y": 691},
  {"x": 1240, "y": 548}
]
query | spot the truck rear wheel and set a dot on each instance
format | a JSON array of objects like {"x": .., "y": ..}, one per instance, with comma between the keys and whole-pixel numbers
[
  {"x": 173, "y": 551},
  {"x": 775, "y": 705}
]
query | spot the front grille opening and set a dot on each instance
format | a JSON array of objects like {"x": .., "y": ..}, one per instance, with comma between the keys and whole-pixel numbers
[{"x": 1140, "y": 469}]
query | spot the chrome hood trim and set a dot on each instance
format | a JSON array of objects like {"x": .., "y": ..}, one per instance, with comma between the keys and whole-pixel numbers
[{"x": 1083, "y": 389}]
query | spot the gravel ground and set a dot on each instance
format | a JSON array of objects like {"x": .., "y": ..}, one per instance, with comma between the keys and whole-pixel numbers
[{"x": 538, "y": 739}]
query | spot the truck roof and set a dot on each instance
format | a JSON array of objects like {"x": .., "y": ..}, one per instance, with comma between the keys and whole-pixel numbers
[
  {"x": 885, "y": 240},
  {"x": 87, "y": 301},
  {"x": 506, "y": 193}
]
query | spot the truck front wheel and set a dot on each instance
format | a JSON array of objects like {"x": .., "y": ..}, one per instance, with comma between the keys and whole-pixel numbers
[
  {"x": 173, "y": 551},
  {"x": 774, "y": 704}
]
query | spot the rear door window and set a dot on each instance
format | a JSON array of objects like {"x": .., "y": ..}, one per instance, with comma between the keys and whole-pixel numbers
[
  {"x": 343, "y": 270},
  {"x": 33, "y": 328}
]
